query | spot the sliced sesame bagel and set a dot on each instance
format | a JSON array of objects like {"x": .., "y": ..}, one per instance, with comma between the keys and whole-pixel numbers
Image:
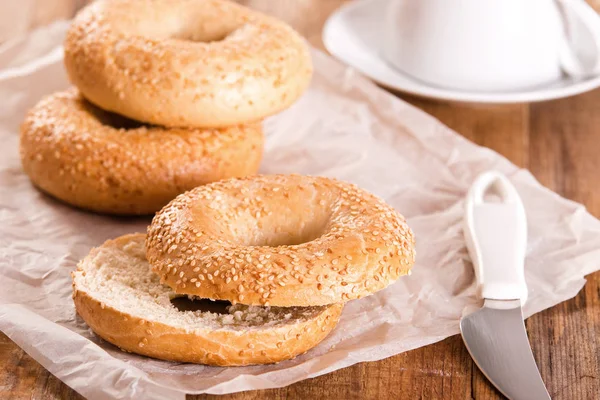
[
  {"x": 204, "y": 63},
  {"x": 106, "y": 163},
  {"x": 282, "y": 240},
  {"x": 122, "y": 300}
]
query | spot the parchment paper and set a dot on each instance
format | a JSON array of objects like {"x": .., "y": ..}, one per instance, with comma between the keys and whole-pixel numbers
[{"x": 343, "y": 127}]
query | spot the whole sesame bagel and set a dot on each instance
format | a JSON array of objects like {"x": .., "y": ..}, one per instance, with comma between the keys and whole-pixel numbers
[
  {"x": 204, "y": 63},
  {"x": 103, "y": 162},
  {"x": 282, "y": 240},
  {"x": 122, "y": 300}
]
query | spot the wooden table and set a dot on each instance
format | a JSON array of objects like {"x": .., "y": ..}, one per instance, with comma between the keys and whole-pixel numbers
[{"x": 558, "y": 141}]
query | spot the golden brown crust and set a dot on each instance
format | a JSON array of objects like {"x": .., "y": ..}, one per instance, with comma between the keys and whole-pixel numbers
[
  {"x": 69, "y": 150},
  {"x": 221, "y": 347},
  {"x": 206, "y": 63},
  {"x": 282, "y": 240}
]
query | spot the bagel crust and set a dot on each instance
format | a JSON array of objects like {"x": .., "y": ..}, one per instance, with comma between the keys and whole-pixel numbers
[
  {"x": 279, "y": 240},
  {"x": 202, "y": 63},
  {"x": 123, "y": 302},
  {"x": 70, "y": 150}
]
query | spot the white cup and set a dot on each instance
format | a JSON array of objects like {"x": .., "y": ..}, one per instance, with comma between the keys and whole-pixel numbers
[{"x": 492, "y": 45}]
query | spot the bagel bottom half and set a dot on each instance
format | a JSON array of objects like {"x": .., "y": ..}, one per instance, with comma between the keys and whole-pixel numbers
[{"x": 123, "y": 302}]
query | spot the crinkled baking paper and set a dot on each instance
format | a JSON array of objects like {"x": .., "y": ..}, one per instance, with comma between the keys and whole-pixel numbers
[{"x": 343, "y": 127}]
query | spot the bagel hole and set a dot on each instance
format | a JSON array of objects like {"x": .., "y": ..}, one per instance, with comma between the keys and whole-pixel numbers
[
  {"x": 311, "y": 231},
  {"x": 201, "y": 37},
  {"x": 205, "y": 33},
  {"x": 290, "y": 217},
  {"x": 113, "y": 120},
  {"x": 184, "y": 303}
]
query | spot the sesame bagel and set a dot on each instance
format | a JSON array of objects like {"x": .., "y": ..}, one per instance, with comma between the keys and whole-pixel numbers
[
  {"x": 119, "y": 297},
  {"x": 100, "y": 161},
  {"x": 281, "y": 240},
  {"x": 203, "y": 63}
]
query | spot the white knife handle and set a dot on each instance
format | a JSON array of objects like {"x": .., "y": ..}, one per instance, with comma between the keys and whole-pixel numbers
[{"x": 496, "y": 235}]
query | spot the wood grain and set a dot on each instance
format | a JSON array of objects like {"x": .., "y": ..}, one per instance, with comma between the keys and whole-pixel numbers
[{"x": 558, "y": 142}]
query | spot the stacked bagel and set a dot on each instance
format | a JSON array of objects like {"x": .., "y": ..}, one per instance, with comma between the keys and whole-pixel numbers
[
  {"x": 169, "y": 95},
  {"x": 236, "y": 268}
]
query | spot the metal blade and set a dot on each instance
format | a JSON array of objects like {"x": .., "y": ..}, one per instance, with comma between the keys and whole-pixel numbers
[{"x": 497, "y": 341}]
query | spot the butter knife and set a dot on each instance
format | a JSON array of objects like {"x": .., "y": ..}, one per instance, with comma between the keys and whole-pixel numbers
[{"x": 495, "y": 229}]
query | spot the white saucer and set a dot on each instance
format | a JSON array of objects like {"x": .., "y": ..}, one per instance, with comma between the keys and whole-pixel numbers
[{"x": 351, "y": 34}]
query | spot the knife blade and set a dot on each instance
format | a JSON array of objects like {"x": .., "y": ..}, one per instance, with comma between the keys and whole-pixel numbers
[{"x": 495, "y": 230}]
